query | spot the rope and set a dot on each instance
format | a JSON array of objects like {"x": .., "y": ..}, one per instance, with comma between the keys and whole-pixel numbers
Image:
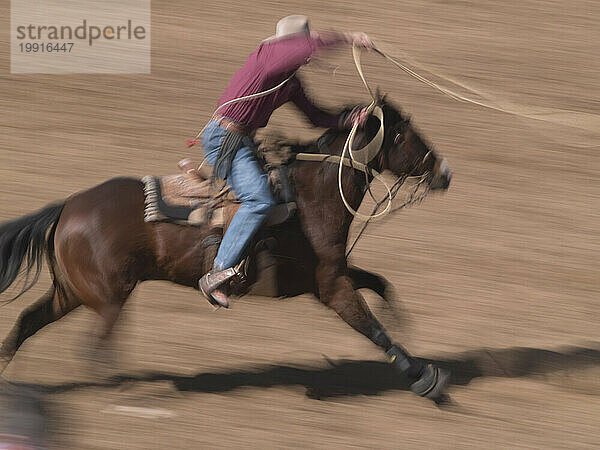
[
  {"x": 413, "y": 199},
  {"x": 376, "y": 176},
  {"x": 378, "y": 204},
  {"x": 450, "y": 93},
  {"x": 370, "y": 151},
  {"x": 366, "y": 153},
  {"x": 574, "y": 119},
  {"x": 194, "y": 141},
  {"x": 367, "y": 156}
]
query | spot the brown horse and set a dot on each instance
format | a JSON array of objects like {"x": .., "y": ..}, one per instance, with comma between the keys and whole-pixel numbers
[{"x": 99, "y": 247}]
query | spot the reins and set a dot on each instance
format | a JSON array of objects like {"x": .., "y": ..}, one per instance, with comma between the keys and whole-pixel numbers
[{"x": 413, "y": 199}]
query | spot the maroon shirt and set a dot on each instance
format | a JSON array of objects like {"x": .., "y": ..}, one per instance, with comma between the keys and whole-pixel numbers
[{"x": 271, "y": 63}]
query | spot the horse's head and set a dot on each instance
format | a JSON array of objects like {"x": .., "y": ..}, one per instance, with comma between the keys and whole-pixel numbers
[{"x": 405, "y": 152}]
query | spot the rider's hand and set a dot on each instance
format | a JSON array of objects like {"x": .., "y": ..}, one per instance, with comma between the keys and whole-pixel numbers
[
  {"x": 361, "y": 40},
  {"x": 358, "y": 115}
]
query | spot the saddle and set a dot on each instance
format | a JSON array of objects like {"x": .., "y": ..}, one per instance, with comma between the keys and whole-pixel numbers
[{"x": 196, "y": 198}]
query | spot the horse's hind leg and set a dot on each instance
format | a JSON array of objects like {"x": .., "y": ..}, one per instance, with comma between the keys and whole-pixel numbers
[
  {"x": 105, "y": 295},
  {"x": 53, "y": 305},
  {"x": 100, "y": 350}
]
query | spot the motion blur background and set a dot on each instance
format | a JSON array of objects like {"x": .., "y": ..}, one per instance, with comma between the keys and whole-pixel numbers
[{"x": 507, "y": 258}]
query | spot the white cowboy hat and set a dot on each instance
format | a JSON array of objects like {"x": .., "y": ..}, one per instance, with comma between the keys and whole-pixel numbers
[{"x": 289, "y": 26}]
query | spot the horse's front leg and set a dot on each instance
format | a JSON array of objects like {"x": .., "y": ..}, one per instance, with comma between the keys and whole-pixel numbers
[
  {"x": 363, "y": 279},
  {"x": 336, "y": 290}
]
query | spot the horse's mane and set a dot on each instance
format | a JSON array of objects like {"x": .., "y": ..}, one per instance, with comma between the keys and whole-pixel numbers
[{"x": 392, "y": 115}]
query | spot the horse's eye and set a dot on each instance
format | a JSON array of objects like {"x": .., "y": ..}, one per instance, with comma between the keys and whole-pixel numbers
[{"x": 399, "y": 138}]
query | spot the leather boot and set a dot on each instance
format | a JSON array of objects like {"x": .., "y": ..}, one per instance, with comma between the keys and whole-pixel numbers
[{"x": 211, "y": 285}]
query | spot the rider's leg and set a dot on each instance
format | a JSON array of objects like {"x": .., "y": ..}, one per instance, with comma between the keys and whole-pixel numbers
[{"x": 252, "y": 188}]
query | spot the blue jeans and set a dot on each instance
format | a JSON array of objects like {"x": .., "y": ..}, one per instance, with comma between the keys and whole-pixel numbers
[{"x": 251, "y": 185}]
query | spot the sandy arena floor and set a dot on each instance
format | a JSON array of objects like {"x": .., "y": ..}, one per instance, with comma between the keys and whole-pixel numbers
[{"x": 498, "y": 279}]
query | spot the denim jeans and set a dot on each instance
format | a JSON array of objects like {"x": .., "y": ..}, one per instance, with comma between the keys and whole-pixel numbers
[{"x": 251, "y": 185}]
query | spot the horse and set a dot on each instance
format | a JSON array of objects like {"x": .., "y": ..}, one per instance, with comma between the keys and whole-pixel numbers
[{"x": 99, "y": 247}]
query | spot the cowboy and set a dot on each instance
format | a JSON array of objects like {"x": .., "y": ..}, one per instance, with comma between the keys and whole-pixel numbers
[{"x": 227, "y": 139}]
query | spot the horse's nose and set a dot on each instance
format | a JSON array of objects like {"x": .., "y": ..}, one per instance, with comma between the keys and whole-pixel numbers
[
  {"x": 447, "y": 175},
  {"x": 442, "y": 175}
]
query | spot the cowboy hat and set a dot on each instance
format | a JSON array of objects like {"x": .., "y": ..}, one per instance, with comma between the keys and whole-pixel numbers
[{"x": 290, "y": 25}]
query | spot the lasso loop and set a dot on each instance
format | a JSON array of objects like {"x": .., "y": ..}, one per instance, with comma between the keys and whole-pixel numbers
[{"x": 369, "y": 151}]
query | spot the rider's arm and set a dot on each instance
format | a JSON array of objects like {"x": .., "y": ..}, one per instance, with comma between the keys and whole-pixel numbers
[
  {"x": 288, "y": 55},
  {"x": 329, "y": 38},
  {"x": 316, "y": 115}
]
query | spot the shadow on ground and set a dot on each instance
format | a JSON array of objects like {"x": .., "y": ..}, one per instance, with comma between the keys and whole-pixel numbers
[{"x": 349, "y": 378}]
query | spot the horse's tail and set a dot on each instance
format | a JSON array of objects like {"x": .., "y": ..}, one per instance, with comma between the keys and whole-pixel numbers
[{"x": 27, "y": 239}]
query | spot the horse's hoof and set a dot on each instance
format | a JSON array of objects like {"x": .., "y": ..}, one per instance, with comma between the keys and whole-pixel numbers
[{"x": 432, "y": 383}]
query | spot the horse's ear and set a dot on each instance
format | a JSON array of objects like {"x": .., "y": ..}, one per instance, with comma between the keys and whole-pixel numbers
[{"x": 379, "y": 97}]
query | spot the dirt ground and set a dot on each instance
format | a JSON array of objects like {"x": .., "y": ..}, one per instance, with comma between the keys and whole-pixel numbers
[{"x": 498, "y": 279}]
